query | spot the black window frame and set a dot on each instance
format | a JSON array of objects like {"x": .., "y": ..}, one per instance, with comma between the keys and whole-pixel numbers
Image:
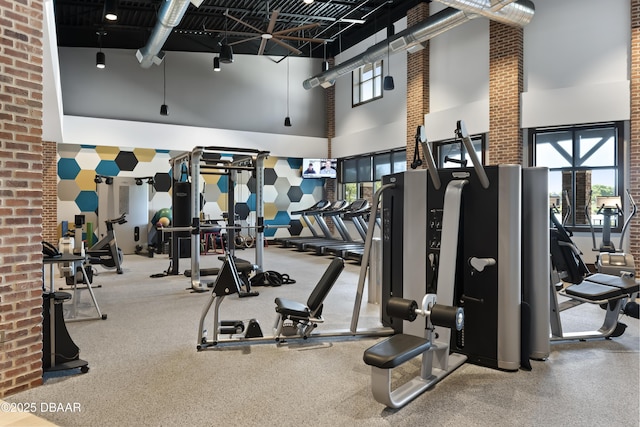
[{"x": 619, "y": 166}]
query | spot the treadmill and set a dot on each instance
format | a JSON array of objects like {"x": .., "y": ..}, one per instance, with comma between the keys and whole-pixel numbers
[
  {"x": 336, "y": 206},
  {"x": 305, "y": 214},
  {"x": 357, "y": 212},
  {"x": 320, "y": 247}
]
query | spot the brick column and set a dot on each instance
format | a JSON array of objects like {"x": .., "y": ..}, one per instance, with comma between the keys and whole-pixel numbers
[
  {"x": 506, "y": 82},
  {"x": 20, "y": 195},
  {"x": 634, "y": 138},
  {"x": 50, "y": 192},
  {"x": 330, "y": 99},
  {"x": 417, "y": 82}
]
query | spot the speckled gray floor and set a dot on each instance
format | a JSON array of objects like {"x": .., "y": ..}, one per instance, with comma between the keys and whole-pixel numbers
[{"x": 145, "y": 370}]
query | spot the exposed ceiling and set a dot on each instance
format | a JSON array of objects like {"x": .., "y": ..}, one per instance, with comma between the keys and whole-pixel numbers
[{"x": 249, "y": 25}]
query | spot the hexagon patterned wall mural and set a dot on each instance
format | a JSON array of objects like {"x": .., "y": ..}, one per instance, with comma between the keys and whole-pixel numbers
[{"x": 284, "y": 192}]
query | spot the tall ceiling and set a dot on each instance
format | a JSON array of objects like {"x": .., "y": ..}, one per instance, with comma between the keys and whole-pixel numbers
[{"x": 334, "y": 24}]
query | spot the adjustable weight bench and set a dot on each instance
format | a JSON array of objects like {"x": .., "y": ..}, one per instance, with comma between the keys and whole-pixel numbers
[{"x": 295, "y": 318}]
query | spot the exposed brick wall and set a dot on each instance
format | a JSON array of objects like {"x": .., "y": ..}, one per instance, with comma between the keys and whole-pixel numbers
[
  {"x": 417, "y": 82},
  {"x": 50, "y": 192},
  {"x": 20, "y": 195},
  {"x": 506, "y": 82},
  {"x": 634, "y": 173},
  {"x": 330, "y": 100}
]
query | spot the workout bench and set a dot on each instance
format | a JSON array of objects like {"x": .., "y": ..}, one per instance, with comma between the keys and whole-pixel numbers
[{"x": 398, "y": 349}]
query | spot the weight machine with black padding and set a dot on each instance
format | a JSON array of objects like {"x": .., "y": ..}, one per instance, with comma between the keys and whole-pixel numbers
[
  {"x": 457, "y": 233},
  {"x": 384, "y": 356}
]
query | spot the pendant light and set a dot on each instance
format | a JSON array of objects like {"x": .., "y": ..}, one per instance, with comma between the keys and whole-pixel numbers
[
  {"x": 226, "y": 52},
  {"x": 110, "y": 10},
  {"x": 216, "y": 63},
  {"x": 100, "y": 56},
  {"x": 387, "y": 83},
  {"x": 287, "y": 120},
  {"x": 325, "y": 63},
  {"x": 164, "y": 108}
]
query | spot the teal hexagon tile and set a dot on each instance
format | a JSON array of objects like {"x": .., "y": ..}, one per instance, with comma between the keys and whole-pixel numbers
[
  {"x": 87, "y": 201},
  {"x": 68, "y": 168},
  {"x": 107, "y": 168}
]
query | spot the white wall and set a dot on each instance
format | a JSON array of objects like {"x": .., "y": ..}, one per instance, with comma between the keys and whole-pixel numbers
[
  {"x": 576, "y": 62},
  {"x": 378, "y": 125},
  {"x": 123, "y": 133},
  {"x": 458, "y": 79},
  {"x": 51, "y": 92}
]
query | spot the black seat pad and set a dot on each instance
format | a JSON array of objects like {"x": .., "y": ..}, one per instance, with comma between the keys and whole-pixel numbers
[
  {"x": 291, "y": 308},
  {"x": 395, "y": 351},
  {"x": 242, "y": 265},
  {"x": 627, "y": 284},
  {"x": 593, "y": 291}
]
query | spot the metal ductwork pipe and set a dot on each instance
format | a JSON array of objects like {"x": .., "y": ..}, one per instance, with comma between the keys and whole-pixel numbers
[
  {"x": 518, "y": 13},
  {"x": 510, "y": 12},
  {"x": 170, "y": 15}
]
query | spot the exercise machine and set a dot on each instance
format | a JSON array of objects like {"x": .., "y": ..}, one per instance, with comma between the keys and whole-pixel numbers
[
  {"x": 437, "y": 361},
  {"x": 293, "y": 318},
  {"x": 460, "y": 226},
  {"x": 609, "y": 291},
  {"x": 455, "y": 237},
  {"x": 311, "y": 211},
  {"x": 106, "y": 252},
  {"x": 612, "y": 260}
]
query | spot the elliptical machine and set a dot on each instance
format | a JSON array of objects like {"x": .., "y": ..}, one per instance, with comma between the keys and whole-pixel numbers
[{"x": 609, "y": 259}]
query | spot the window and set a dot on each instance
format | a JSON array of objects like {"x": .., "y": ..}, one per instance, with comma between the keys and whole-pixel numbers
[
  {"x": 584, "y": 162},
  {"x": 448, "y": 154},
  {"x": 367, "y": 83},
  {"x": 361, "y": 176}
]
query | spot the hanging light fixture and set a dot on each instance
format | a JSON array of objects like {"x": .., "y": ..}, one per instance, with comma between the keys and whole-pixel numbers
[
  {"x": 287, "y": 120},
  {"x": 216, "y": 63},
  {"x": 101, "y": 60},
  {"x": 226, "y": 52},
  {"x": 111, "y": 10},
  {"x": 325, "y": 63},
  {"x": 387, "y": 83},
  {"x": 164, "y": 108}
]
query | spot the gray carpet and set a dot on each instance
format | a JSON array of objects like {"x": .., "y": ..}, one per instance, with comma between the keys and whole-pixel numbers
[{"x": 145, "y": 370}]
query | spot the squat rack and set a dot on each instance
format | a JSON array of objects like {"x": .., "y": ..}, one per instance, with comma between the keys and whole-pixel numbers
[{"x": 214, "y": 161}]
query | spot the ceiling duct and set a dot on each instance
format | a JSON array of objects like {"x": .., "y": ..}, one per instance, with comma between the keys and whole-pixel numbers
[
  {"x": 169, "y": 16},
  {"x": 516, "y": 13}
]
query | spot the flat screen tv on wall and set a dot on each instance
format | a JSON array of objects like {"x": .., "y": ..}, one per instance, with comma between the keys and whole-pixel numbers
[{"x": 319, "y": 168}]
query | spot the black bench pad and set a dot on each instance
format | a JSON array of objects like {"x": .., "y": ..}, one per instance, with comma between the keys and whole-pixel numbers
[
  {"x": 291, "y": 308},
  {"x": 593, "y": 291},
  {"x": 395, "y": 351},
  {"x": 627, "y": 284}
]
